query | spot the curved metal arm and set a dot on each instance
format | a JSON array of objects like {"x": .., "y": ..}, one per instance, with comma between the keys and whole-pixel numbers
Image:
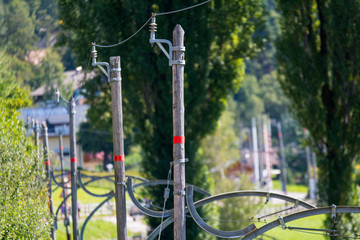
[
  {"x": 100, "y": 64},
  {"x": 302, "y": 214},
  {"x": 147, "y": 211},
  {"x": 254, "y": 194},
  {"x": 143, "y": 209},
  {"x": 164, "y": 182},
  {"x": 57, "y": 183},
  {"x": 92, "y": 213},
  {"x": 90, "y": 193},
  {"x": 201, "y": 223},
  {"x": 58, "y": 209},
  {"x": 218, "y": 197},
  {"x": 168, "y": 54}
]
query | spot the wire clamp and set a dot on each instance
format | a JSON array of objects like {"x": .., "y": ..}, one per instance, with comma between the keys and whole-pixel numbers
[
  {"x": 267, "y": 197},
  {"x": 115, "y": 79},
  {"x": 179, "y": 49},
  {"x": 120, "y": 183},
  {"x": 178, "y": 62},
  {"x": 333, "y": 211},
  {"x": 181, "y": 193},
  {"x": 183, "y": 160},
  {"x": 166, "y": 193},
  {"x": 115, "y": 70},
  {"x": 296, "y": 203},
  {"x": 282, "y": 223}
]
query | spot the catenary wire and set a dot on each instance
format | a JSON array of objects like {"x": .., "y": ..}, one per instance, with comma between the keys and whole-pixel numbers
[
  {"x": 117, "y": 44},
  {"x": 183, "y": 9},
  {"x": 154, "y": 14}
]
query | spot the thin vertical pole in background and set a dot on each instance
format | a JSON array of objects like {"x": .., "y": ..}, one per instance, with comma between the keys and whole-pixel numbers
[
  {"x": 36, "y": 131},
  {"x": 315, "y": 174},
  {"x": 179, "y": 133},
  {"x": 73, "y": 168},
  {"x": 255, "y": 153},
  {"x": 282, "y": 158},
  {"x": 48, "y": 173},
  {"x": 310, "y": 176},
  {"x": 261, "y": 152},
  {"x": 118, "y": 144},
  {"x": 267, "y": 152},
  {"x": 66, "y": 218}
]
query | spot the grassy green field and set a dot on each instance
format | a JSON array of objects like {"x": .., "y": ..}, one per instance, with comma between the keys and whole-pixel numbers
[
  {"x": 290, "y": 187},
  {"x": 309, "y": 222},
  {"x": 95, "y": 229}
]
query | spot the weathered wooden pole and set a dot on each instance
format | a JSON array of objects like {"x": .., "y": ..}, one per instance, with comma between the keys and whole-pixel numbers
[
  {"x": 48, "y": 173},
  {"x": 179, "y": 133},
  {"x": 73, "y": 168},
  {"x": 66, "y": 218},
  {"x": 282, "y": 158},
  {"x": 118, "y": 143}
]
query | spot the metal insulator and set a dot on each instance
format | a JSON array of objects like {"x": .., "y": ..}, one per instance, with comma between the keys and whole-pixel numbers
[
  {"x": 93, "y": 51},
  {"x": 153, "y": 25}
]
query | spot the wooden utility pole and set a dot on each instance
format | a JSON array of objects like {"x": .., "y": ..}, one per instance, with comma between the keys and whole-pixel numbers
[
  {"x": 66, "y": 218},
  {"x": 48, "y": 173},
  {"x": 73, "y": 168},
  {"x": 179, "y": 133},
  {"x": 118, "y": 143},
  {"x": 282, "y": 158}
]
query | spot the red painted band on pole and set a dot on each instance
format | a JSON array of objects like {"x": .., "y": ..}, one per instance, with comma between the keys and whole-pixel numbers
[
  {"x": 73, "y": 160},
  {"x": 280, "y": 135},
  {"x": 61, "y": 148},
  {"x": 47, "y": 163},
  {"x": 119, "y": 158},
  {"x": 178, "y": 139}
]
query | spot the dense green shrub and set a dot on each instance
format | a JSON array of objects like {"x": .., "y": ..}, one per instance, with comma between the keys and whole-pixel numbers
[{"x": 23, "y": 195}]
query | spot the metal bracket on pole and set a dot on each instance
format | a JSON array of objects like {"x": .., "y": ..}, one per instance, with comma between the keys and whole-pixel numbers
[
  {"x": 282, "y": 223},
  {"x": 183, "y": 160},
  {"x": 181, "y": 193},
  {"x": 169, "y": 55},
  {"x": 100, "y": 64}
]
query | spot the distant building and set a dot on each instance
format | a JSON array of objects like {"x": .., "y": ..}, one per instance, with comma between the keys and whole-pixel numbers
[
  {"x": 72, "y": 77},
  {"x": 57, "y": 121}
]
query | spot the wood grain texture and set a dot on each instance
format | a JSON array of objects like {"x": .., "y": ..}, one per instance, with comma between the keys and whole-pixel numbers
[
  {"x": 178, "y": 130},
  {"x": 118, "y": 143}
]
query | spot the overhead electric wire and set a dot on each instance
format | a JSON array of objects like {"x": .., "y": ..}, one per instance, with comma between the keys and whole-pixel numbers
[
  {"x": 183, "y": 9},
  {"x": 117, "y": 44},
  {"x": 153, "y": 15}
]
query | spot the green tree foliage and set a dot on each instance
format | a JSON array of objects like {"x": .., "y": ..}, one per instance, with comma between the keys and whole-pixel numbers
[
  {"x": 223, "y": 145},
  {"x": 94, "y": 140},
  {"x": 17, "y": 33},
  {"x": 218, "y": 35},
  {"x": 24, "y": 211},
  {"x": 318, "y": 57}
]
